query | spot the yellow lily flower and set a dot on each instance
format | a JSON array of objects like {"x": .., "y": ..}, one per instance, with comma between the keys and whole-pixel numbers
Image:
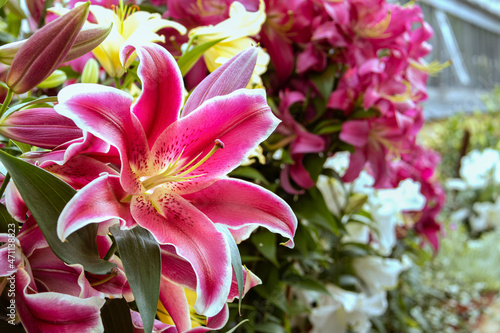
[
  {"x": 236, "y": 30},
  {"x": 129, "y": 26}
]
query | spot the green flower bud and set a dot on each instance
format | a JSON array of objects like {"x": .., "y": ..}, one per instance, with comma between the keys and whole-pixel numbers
[
  {"x": 55, "y": 79},
  {"x": 90, "y": 71}
]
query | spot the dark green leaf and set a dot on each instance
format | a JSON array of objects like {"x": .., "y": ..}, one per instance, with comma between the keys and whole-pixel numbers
[
  {"x": 140, "y": 255},
  {"x": 305, "y": 282},
  {"x": 235, "y": 262},
  {"x": 324, "y": 81},
  {"x": 265, "y": 242},
  {"x": 237, "y": 325},
  {"x": 7, "y": 224},
  {"x": 250, "y": 173},
  {"x": 188, "y": 59},
  {"x": 311, "y": 207},
  {"x": 115, "y": 315},
  {"x": 45, "y": 196}
]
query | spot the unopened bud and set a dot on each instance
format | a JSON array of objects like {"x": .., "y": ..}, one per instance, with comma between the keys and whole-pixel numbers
[
  {"x": 91, "y": 71},
  {"x": 41, "y": 127},
  {"x": 87, "y": 40},
  {"x": 55, "y": 79},
  {"x": 43, "y": 52}
]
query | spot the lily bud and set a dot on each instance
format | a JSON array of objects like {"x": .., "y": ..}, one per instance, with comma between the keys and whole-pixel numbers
[
  {"x": 45, "y": 50},
  {"x": 41, "y": 127},
  {"x": 91, "y": 71},
  {"x": 55, "y": 79},
  {"x": 87, "y": 40},
  {"x": 232, "y": 75}
]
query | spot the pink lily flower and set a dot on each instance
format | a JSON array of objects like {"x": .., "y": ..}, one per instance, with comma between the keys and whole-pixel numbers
[
  {"x": 52, "y": 296},
  {"x": 302, "y": 142},
  {"x": 172, "y": 169}
]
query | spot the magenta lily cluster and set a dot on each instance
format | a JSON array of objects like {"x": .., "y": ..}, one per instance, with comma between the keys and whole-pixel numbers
[{"x": 376, "y": 50}]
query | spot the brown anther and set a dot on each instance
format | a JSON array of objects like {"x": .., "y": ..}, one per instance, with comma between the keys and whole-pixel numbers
[{"x": 218, "y": 143}]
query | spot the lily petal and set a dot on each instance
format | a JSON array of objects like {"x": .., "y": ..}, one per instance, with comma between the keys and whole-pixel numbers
[
  {"x": 173, "y": 220},
  {"x": 236, "y": 203},
  {"x": 243, "y": 111},
  {"x": 55, "y": 312},
  {"x": 99, "y": 201},
  {"x": 162, "y": 88},
  {"x": 173, "y": 298},
  {"x": 105, "y": 112}
]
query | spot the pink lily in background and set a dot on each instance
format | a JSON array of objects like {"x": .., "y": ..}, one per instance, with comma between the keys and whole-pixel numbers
[
  {"x": 302, "y": 142},
  {"x": 172, "y": 179},
  {"x": 52, "y": 296}
]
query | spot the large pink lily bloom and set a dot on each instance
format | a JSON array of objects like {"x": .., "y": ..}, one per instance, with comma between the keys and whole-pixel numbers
[
  {"x": 172, "y": 180},
  {"x": 52, "y": 296}
]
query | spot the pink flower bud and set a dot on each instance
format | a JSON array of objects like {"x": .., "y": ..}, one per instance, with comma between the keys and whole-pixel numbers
[
  {"x": 45, "y": 50},
  {"x": 86, "y": 41},
  {"x": 41, "y": 127}
]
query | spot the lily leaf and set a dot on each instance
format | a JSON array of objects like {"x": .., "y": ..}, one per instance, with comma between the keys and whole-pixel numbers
[
  {"x": 2, "y": 3},
  {"x": 7, "y": 222},
  {"x": 265, "y": 242},
  {"x": 45, "y": 196},
  {"x": 140, "y": 255},
  {"x": 188, "y": 59},
  {"x": 235, "y": 262},
  {"x": 115, "y": 315}
]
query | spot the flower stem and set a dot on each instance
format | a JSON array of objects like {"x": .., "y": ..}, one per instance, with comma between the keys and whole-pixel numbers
[
  {"x": 6, "y": 102},
  {"x": 111, "y": 251}
]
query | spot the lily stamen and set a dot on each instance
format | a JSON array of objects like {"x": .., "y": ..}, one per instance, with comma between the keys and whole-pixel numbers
[{"x": 174, "y": 173}]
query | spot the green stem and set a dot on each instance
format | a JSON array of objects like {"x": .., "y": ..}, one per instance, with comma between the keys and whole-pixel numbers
[
  {"x": 111, "y": 251},
  {"x": 6, "y": 103},
  {"x": 4, "y": 183},
  {"x": 117, "y": 83}
]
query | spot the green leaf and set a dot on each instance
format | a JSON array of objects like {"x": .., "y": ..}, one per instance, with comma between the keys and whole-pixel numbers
[
  {"x": 45, "y": 196},
  {"x": 324, "y": 81},
  {"x": 115, "y": 315},
  {"x": 305, "y": 282},
  {"x": 265, "y": 242},
  {"x": 311, "y": 207},
  {"x": 7, "y": 223},
  {"x": 23, "y": 147},
  {"x": 140, "y": 255},
  {"x": 249, "y": 173},
  {"x": 188, "y": 59},
  {"x": 237, "y": 325},
  {"x": 235, "y": 262},
  {"x": 3, "y": 2}
]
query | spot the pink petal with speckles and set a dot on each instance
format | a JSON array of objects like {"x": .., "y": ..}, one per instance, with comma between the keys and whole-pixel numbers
[
  {"x": 173, "y": 220},
  {"x": 241, "y": 120}
]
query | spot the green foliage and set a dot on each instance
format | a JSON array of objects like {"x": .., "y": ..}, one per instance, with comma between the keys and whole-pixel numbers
[
  {"x": 46, "y": 195},
  {"x": 140, "y": 255}
]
